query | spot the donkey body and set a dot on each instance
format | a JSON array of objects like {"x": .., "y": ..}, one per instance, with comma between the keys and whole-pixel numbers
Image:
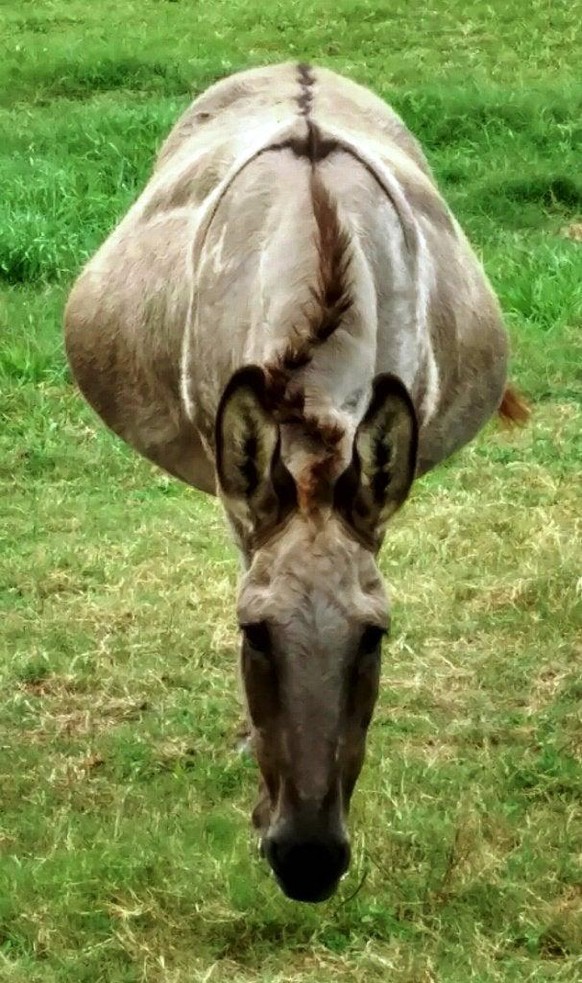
[{"x": 290, "y": 316}]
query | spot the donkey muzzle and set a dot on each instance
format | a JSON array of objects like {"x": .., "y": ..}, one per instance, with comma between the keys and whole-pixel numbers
[{"x": 307, "y": 869}]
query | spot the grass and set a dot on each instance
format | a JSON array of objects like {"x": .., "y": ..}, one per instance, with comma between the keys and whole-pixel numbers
[{"x": 125, "y": 854}]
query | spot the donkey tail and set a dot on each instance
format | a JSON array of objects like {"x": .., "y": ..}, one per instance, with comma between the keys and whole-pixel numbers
[{"x": 513, "y": 409}]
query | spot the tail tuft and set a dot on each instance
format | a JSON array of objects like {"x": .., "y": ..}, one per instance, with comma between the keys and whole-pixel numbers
[{"x": 513, "y": 410}]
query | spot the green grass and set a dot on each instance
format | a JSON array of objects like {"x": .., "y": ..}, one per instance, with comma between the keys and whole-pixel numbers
[{"x": 125, "y": 854}]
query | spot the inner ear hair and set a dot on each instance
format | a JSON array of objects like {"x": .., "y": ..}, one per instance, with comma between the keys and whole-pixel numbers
[
  {"x": 257, "y": 487},
  {"x": 378, "y": 479},
  {"x": 241, "y": 417}
]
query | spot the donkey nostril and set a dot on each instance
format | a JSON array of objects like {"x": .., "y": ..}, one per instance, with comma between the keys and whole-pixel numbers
[{"x": 308, "y": 871}]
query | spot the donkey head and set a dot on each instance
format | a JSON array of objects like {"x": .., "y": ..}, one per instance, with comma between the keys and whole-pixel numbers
[{"x": 313, "y": 612}]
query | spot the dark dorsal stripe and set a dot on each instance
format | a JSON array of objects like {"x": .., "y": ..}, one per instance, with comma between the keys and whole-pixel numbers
[
  {"x": 314, "y": 146},
  {"x": 306, "y": 80}
]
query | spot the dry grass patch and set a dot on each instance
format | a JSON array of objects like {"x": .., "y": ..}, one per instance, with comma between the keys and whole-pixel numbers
[{"x": 129, "y": 804}]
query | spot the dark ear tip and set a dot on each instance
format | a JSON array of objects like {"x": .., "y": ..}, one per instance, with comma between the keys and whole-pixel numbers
[
  {"x": 386, "y": 384},
  {"x": 250, "y": 377}
]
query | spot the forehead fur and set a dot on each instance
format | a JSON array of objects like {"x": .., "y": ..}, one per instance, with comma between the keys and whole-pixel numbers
[{"x": 313, "y": 562}]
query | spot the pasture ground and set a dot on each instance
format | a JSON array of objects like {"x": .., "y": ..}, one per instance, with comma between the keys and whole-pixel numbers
[{"x": 124, "y": 845}]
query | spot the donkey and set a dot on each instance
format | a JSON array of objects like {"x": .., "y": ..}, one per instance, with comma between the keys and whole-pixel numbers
[{"x": 290, "y": 317}]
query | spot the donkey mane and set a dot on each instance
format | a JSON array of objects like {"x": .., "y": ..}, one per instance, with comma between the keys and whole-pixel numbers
[{"x": 330, "y": 300}]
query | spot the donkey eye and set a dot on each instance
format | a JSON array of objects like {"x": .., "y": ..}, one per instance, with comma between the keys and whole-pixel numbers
[
  {"x": 257, "y": 636},
  {"x": 371, "y": 639}
]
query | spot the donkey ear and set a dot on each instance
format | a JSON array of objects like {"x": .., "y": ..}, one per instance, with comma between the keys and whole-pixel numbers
[
  {"x": 380, "y": 475},
  {"x": 257, "y": 488}
]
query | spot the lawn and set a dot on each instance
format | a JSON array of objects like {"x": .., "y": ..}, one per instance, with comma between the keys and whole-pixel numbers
[{"x": 125, "y": 850}]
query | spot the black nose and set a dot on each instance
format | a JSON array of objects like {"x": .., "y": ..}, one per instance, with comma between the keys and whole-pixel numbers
[{"x": 307, "y": 870}]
